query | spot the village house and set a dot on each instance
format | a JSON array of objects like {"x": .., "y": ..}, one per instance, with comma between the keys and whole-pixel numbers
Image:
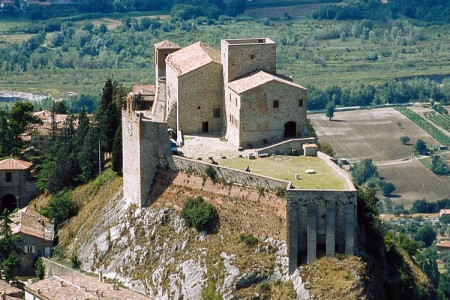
[
  {"x": 17, "y": 187},
  {"x": 37, "y": 234},
  {"x": 443, "y": 246},
  {"x": 9, "y": 292}
]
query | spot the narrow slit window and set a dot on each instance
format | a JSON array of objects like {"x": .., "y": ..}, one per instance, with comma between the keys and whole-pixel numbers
[
  {"x": 300, "y": 102},
  {"x": 276, "y": 104}
]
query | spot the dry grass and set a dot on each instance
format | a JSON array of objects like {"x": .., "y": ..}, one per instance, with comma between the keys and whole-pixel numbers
[
  {"x": 333, "y": 278},
  {"x": 285, "y": 167}
]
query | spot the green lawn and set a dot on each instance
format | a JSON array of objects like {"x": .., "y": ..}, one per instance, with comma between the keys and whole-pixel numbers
[{"x": 285, "y": 167}]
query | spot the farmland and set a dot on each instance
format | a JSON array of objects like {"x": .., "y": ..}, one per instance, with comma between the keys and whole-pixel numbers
[{"x": 375, "y": 134}]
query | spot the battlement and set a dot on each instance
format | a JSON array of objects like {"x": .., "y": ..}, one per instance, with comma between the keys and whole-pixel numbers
[{"x": 249, "y": 41}]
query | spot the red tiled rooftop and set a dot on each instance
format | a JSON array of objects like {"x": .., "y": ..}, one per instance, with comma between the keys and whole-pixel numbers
[
  {"x": 144, "y": 89},
  {"x": 8, "y": 289},
  {"x": 14, "y": 164},
  {"x": 443, "y": 244},
  {"x": 79, "y": 287}
]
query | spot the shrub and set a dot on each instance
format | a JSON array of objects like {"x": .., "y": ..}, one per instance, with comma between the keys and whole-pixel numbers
[
  {"x": 74, "y": 261},
  {"x": 280, "y": 191},
  {"x": 60, "y": 207},
  {"x": 404, "y": 139},
  {"x": 248, "y": 239},
  {"x": 197, "y": 213},
  {"x": 363, "y": 171},
  {"x": 421, "y": 147}
]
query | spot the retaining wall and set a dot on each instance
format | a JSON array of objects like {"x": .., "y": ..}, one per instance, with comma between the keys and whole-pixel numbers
[
  {"x": 229, "y": 175},
  {"x": 286, "y": 147},
  {"x": 329, "y": 161},
  {"x": 54, "y": 268}
]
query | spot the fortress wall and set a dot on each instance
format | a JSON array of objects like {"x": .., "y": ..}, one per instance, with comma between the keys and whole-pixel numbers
[
  {"x": 320, "y": 220},
  {"x": 229, "y": 175},
  {"x": 241, "y": 209},
  {"x": 285, "y": 147},
  {"x": 329, "y": 161}
]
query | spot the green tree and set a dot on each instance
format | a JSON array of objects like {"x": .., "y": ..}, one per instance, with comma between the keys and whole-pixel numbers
[
  {"x": 421, "y": 147},
  {"x": 426, "y": 260},
  {"x": 404, "y": 139},
  {"x": 39, "y": 268},
  {"x": 117, "y": 151},
  {"x": 9, "y": 251},
  {"x": 363, "y": 171},
  {"x": 443, "y": 290},
  {"x": 438, "y": 166},
  {"x": 387, "y": 188},
  {"x": 426, "y": 235},
  {"x": 329, "y": 110},
  {"x": 61, "y": 207}
]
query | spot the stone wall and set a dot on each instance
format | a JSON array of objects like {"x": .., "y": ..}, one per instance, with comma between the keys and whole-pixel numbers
[
  {"x": 329, "y": 161},
  {"x": 241, "y": 209},
  {"x": 199, "y": 93},
  {"x": 262, "y": 123},
  {"x": 54, "y": 268},
  {"x": 21, "y": 187},
  {"x": 285, "y": 147},
  {"x": 146, "y": 148},
  {"x": 242, "y": 56},
  {"x": 229, "y": 175},
  {"x": 320, "y": 222}
]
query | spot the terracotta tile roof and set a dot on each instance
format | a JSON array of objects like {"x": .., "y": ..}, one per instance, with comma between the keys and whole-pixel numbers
[
  {"x": 192, "y": 57},
  {"x": 14, "y": 164},
  {"x": 444, "y": 212},
  {"x": 443, "y": 244},
  {"x": 144, "y": 89},
  {"x": 166, "y": 44},
  {"x": 79, "y": 287},
  {"x": 256, "y": 79},
  {"x": 8, "y": 289},
  {"x": 30, "y": 222}
]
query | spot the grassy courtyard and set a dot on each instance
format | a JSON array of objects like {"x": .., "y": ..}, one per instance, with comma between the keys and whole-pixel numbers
[{"x": 285, "y": 168}]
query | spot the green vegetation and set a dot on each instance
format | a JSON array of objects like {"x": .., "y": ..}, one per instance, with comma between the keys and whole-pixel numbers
[
  {"x": 329, "y": 110},
  {"x": 210, "y": 292},
  {"x": 198, "y": 214},
  {"x": 39, "y": 268},
  {"x": 438, "y": 166},
  {"x": 9, "y": 252},
  {"x": 423, "y": 206},
  {"x": 363, "y": 171},
  {"x": 249, "y": 240},
  {"x": 442, "y": 120},
  {"x": 404, "y": 139},
  {"x": 425, "y": 125},
  {"x": 421, "y": 147},
  {"x": 60, "y": 208},
  {"x": 387, "y": 188}
]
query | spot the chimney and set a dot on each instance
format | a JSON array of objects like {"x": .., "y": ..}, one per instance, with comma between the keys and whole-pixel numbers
[
  {"x": 3, "y": 296},
  {"x": 100, "y": 276},
  {"x": 61, "y": 283}
]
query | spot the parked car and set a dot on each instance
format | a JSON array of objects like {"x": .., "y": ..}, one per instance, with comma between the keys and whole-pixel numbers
[{"x": 173, "y": 146}]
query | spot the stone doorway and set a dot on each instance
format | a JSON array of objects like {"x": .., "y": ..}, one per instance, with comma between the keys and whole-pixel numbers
[
  {"x": 205, "y": 126},
  {"x": 290, "y": 129},
  {"x": 9, "y": 201}
]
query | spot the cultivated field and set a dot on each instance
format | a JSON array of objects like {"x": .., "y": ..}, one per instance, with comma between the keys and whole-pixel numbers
[
  {"x": 414, "y": 181},
  {"x": 375, "y": 134},
  {"x": 302, "y": 10}
]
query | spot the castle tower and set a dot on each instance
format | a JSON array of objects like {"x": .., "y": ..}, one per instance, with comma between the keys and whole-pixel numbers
[
  {"x": 242, "y": 56},
  {"x": 162, "y": 50}
]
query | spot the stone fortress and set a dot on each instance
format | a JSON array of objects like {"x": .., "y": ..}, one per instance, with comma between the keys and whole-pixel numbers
[{"x": 235, "y": 94}]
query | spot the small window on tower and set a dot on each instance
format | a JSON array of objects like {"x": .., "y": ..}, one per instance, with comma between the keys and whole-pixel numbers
[
  {"x": 198, "y": 107},
  {"x": 300, "y": 102},
  {"x": 276, "y": 104},
  {"x": 8, "y": 177},
  {"x": 216, "y": 112},
  {"x": 252, "y": 56}
]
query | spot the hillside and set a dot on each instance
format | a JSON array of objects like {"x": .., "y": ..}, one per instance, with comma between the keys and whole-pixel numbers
[{"x": 152, "y": 251}]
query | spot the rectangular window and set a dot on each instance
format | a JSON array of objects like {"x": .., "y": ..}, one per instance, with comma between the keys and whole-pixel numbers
[
  {"x": 29, "y": 249},
  {"x": 216, "y": 112},
  {"x": 300, "y": 102},
  {"x": 8, "y": 177},
  {"x": 276, "y": 104}
]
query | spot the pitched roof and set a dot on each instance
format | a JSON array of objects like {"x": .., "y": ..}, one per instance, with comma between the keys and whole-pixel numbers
[
  {"x": 144, "y": 89},
  {"x": 192, "y": 57},
  {"x": 8, "y": 289},
  {"x": 79, "y": 287},
  {"x": 254, "y": 80},
  {"x": 166, "y": 44},
  {"x": 30, "y": 222},
  {"x": 443, "y": 244},
  {"x": 14, "y": 164}
]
